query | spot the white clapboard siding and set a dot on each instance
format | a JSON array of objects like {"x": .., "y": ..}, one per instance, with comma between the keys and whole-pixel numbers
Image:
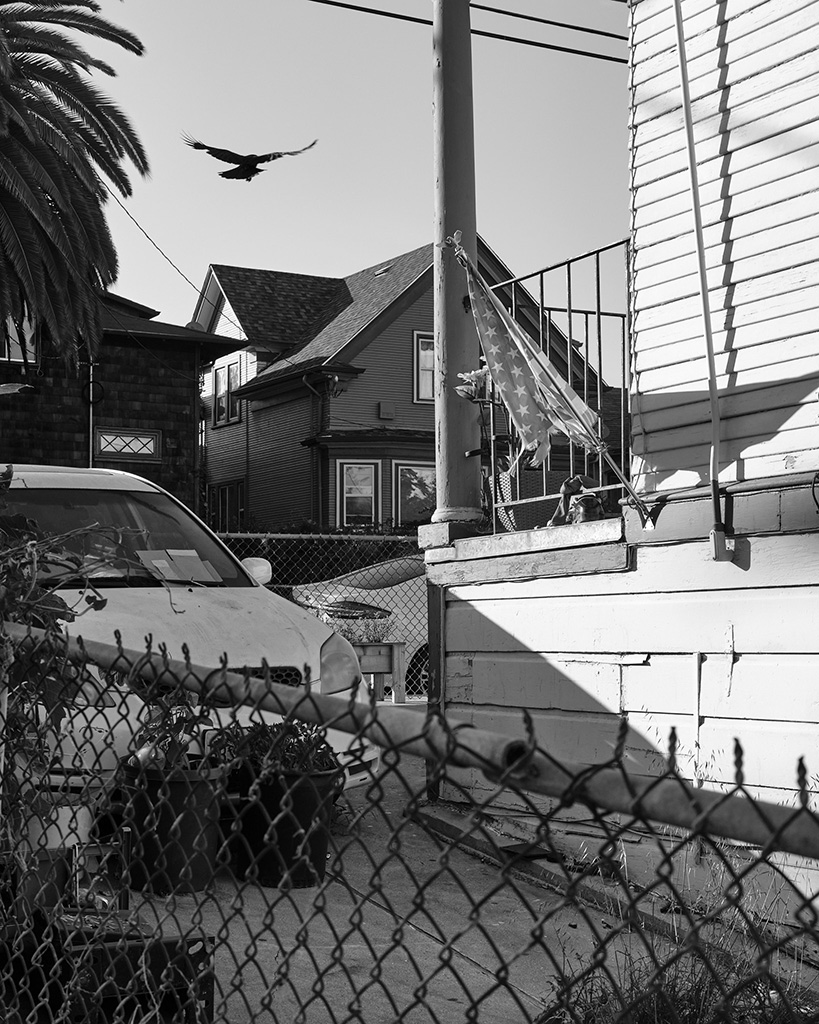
[
  {"x": 725, "y": 139},
  {"x": 716, "y": 129},
  {"x": 733, "y": 351},
  {"x": 779, "y": 203},
  {"x": 748, "y": 247},
  {"x": 794, "y": 339},
  {"x": 739, "y": 433},
  {"x": 792, "y": 219},
  {"x": 787, "y": 152},
  {"x": 726, "y": 266},
  {"x": 749, "y": 212},
  {"x": 786, "y": 40},
  {"x": 688, "y": 467},
  {"x": 738, "y": 35},
  {"x": 739, "y": 414},
  {"x": 726, "y": 302},
  {"x": 731, "y": 385},
  {"x": 651, "y": 17},
  {"x": 652, "y": 21},
  {"x": 763, "y": 328},
  {"x": 779, "y": 439}
]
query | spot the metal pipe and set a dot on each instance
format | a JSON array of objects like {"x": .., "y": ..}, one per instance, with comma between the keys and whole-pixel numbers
[
  {"x": 386, "y": 726},
  {"x": 505, "y": 760},
  {"x": 719, "y": 550},
  {"x": 457, "y": 427},
  {"x": 90, "y": 411}
]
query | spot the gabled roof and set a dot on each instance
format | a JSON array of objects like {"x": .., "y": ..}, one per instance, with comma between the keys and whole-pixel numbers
[
  {"x": 276, "y": 309},
  {"x": 369, "y": 295},
  {"x": 322, "y": 324}
]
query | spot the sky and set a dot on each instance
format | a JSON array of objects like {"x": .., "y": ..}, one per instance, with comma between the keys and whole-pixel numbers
[{"x": 551, "y": 136}]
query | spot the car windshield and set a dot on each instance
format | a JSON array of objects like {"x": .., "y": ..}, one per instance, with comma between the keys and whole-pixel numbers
[{"x": 128, "y": 538}]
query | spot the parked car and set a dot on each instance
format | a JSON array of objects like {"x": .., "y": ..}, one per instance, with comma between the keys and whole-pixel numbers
[{"x": 164, "y": 574}]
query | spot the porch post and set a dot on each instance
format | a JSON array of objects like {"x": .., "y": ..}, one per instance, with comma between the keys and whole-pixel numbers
[{"x": 457, "y": 427}]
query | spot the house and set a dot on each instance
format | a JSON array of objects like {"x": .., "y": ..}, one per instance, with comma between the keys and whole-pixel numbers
[
  {"x": 324, "y": 413},
  {"x": 135, "y": 408},
  {"x": 701, "y": 617}
]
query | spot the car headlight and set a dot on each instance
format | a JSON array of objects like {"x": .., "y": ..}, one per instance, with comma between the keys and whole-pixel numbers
[{"x": 339, "y": 665}]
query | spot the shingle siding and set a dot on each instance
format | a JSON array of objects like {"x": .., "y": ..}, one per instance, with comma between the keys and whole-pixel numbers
[{"x": 149, "y": 386}]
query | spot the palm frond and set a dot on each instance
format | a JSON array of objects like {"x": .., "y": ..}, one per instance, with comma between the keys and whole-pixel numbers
[{"x": 60, "y": 140}]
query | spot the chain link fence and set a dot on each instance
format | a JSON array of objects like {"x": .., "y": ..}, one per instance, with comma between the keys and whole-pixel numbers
[
  {"x": 371, "y": 589},
  {"x": 180, "y": 844}
]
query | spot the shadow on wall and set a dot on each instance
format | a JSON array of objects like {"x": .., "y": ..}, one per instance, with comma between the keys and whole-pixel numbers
[{"x": 766, "y": 429}]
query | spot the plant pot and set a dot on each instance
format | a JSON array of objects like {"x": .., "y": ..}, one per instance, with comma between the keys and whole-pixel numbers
[
  {"x": 280, "y": 830},
  {"x": 67, "y": 811},
  {"x": 62, "y": 819},
  {"x": 174, "y": 815}
]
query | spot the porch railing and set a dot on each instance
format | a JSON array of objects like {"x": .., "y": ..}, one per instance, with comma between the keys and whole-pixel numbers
[{"x": 577, "y": 311}]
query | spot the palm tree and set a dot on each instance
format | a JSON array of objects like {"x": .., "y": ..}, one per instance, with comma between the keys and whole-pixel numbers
[{"x": 58, "y": 137}]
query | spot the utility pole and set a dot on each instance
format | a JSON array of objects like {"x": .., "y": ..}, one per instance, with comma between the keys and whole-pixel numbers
[{"x": 457, "y": 426}]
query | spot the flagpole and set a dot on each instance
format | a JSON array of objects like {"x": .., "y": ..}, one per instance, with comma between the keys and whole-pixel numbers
[{"x": 642, "y": 508}]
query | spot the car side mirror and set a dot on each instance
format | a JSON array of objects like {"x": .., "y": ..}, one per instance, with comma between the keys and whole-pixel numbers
[{"x": 259, "y": 568}]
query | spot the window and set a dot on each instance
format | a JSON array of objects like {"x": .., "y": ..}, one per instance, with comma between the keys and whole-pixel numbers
[
  {"x": 128, "y": 535},
  {"x": 357, "y": 493},
  {"x": 227, "y": 507},
  {"x": 414, "y": 492},
  {"x": 424, "y": 367},
  {"x": 225, "y": 402},
  {"x": 18, "y": 346},
  {"x": 128, "y": 445}
]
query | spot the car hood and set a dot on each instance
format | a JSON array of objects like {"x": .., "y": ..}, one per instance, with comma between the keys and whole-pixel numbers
[{"x": 245, "y": 624}]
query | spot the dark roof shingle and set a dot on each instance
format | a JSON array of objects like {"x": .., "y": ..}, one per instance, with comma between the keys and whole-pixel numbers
[
  {"x": 279, "y": 310},
  {"x": 356, "y": 301}
]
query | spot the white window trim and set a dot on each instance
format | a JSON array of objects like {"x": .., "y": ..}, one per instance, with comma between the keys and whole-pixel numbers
[
  {"x": 417, "y": 336},
  {"x": 227, "y": 419},
  {"x": 340, "y": 465},
  {"x": 397, "y": 466}
]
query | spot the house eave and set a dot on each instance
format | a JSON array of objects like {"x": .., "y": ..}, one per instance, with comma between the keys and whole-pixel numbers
[{"x": 297, "y": 377}]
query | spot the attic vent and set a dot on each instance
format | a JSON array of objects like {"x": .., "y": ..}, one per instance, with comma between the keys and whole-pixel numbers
[{"x": 384, "y": 270}]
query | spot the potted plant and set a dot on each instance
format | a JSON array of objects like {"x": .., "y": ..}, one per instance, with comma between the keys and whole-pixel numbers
[
  {"x": 168, "y": 795},
  {"x": 284, "y": 778}
]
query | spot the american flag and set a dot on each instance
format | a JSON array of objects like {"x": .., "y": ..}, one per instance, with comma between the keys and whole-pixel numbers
[{"x": 540, "y": 402}]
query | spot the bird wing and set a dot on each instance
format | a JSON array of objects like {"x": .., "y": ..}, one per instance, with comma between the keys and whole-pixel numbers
[
  {"x": 220, "y": 154},
  {"x": 291, "y": 152}
]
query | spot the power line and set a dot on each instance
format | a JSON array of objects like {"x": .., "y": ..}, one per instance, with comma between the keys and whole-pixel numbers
[
  {"x": 545, "y": 21},
  {"x": 477, "y": 32},
  {"x": 165, "y": 256},
  {"x": 130, "y": 334}
]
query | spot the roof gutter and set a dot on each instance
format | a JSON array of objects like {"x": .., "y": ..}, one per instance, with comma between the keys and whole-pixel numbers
[{"x": 719, "y": 550}]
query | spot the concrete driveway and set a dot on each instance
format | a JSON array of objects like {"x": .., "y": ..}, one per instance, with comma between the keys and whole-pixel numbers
[{"x": 402, "y": 927}]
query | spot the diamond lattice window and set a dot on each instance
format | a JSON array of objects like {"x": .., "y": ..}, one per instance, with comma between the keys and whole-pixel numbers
[{"x": 143, "y": 445}]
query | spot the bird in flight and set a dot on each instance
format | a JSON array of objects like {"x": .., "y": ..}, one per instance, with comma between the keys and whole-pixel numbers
[{"x": 247, "y": 167}]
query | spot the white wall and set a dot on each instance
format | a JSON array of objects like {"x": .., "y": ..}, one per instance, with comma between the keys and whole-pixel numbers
[{"x": 755, "y": 103}]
